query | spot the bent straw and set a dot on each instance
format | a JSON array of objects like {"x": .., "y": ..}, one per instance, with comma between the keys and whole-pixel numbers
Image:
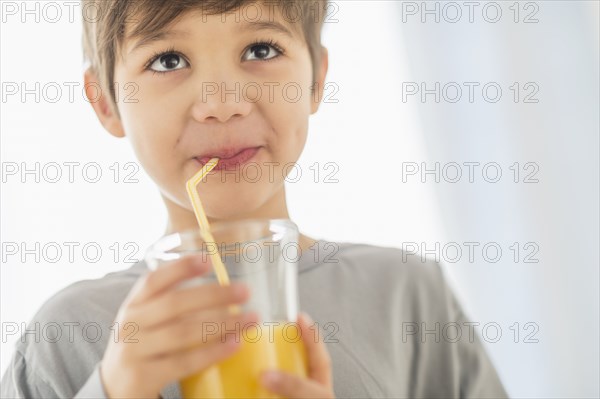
[{"x": 192, "y": 190}]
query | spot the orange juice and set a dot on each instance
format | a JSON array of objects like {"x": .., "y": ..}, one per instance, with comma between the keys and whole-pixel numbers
[{"x": 260, "y": 349}]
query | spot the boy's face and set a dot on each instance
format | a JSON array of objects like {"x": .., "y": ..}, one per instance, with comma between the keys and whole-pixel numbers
[{"x": 215, "y": 83}]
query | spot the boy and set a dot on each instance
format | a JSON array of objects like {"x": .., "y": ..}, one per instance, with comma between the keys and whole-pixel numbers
[{"x": 213, "y": 79}]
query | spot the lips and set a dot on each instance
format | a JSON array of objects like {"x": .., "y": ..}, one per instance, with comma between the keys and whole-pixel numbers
[{"x": 230, "y": 158}]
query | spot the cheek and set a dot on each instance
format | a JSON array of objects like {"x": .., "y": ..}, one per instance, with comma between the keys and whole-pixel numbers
[
  {"x": 149, "y": 119},
  {"x": 287, "y": 112},
  {"x": 289, "y": 116},
  {"x": 152, "y": 134},
  {"x": 144, "y": 127},
  {"x": 289, "y": 129}
]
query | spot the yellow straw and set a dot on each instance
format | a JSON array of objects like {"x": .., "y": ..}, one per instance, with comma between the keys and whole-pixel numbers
[{"x": 192, "y": 189}]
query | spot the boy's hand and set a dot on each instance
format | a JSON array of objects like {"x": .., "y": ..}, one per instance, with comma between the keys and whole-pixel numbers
[
  {"x": 169, "y": 342},
  {"x": 319, "y": 382}
]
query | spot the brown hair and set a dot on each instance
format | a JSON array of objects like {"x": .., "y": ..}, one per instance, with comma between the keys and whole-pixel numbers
[{"x": 104, "y": 23}]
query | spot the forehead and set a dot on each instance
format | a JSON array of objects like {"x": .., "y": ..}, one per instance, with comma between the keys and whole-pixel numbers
[{"x": 143, "y": 26}]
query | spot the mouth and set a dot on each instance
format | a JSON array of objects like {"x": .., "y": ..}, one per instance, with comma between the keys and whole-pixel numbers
[{"x": 229, "y": 159}]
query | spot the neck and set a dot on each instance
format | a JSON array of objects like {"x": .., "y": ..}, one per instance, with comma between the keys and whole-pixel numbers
[{"x": 181, "y": 218}]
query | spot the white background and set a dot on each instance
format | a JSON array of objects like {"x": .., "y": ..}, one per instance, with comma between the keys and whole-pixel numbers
[{"x": 367, "y": 133}]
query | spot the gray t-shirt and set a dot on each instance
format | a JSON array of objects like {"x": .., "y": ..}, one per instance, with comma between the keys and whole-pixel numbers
[{"x": 391, "y": 326}]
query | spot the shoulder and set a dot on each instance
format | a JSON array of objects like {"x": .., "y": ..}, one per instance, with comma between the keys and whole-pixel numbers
[
  {"x": 86, "y": 300},
  {"x": 383, "y": 276},
  {"x": 60, "y": 346},
  {"x": 77, "y": 319},
  {"x": 380, "y": 263}
]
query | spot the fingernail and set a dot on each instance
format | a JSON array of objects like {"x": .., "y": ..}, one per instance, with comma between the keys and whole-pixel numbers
[{"x": 271, "y": 378}]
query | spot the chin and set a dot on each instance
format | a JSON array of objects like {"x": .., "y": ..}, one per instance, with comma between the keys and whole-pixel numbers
[{"x": 238, "y": 206}]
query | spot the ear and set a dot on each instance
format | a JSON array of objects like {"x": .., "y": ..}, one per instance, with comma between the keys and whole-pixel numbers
[
  {"x": 101, "y": 102},
  {"x": 320, "y": 80}
]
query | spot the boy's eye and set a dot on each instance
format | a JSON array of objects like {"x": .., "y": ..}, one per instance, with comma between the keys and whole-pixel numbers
[
  {"x": 261, "y": 51},
  {"x": 168, "y": 62}
]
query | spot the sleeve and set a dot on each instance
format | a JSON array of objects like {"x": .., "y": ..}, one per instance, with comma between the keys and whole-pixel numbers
[
  {"x": 93, "y": 387},
  {"x": 19, "y": 382}
]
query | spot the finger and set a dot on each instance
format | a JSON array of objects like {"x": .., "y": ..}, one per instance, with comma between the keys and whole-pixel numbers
[
  {"x": 192, "y": 332},
  {"x": 292, "y": 386},
  {"x": 319, "y": 361},
  {"x": 176, "y": 303},
  {"x": 167, "y": 276}
]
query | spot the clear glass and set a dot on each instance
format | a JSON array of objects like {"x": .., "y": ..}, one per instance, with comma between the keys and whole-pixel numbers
[{"x": 262, "y": 253}]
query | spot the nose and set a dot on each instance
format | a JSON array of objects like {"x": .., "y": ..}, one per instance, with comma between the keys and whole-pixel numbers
[{"x": 220, "y": 102}]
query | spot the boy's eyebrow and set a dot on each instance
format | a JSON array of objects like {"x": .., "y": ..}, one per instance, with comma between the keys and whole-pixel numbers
[
  {"x": 168, "y": 34},
  {"x": 157, "y": 36},
  {"x": 266, "y": 25}
]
